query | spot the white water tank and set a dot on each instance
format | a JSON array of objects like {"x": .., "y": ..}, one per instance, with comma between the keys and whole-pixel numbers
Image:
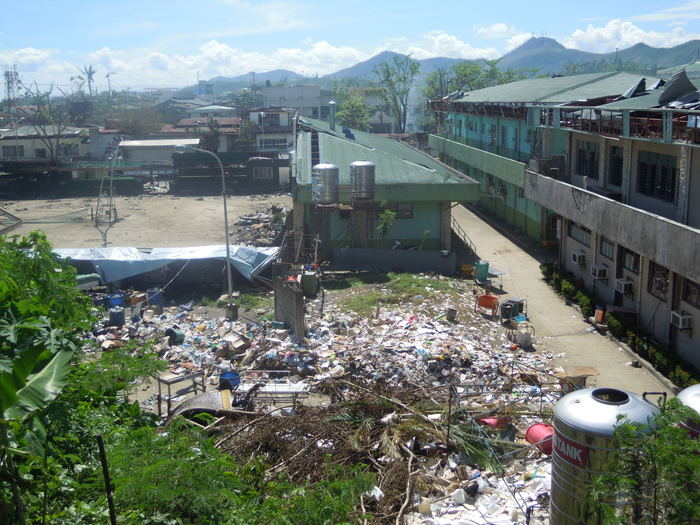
[
  {"x": 362, "y": 179},
  {"x": 690, "y": 397},
  {"x": 324, "y": 183},
  {"x": 583, "y": 446}
]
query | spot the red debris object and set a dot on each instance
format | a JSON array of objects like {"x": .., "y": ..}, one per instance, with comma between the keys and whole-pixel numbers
[
  {"x": 540, "y": 435},
  {"x": 486, "y": 302},
  {"x": 494, "y": 422}
]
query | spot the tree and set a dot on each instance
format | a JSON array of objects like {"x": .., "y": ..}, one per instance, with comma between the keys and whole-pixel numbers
[
  {"x": 49, "y": 115},
  {"x": 209, "y": 136},
  {"x": 243, "y": 101},
  {"x": 657, "y": 468},
  {"x": 140, "y": 121},
  {"x": 89, "y": 75},
  {"x": 396, "y": 79},
  {"x": 385, "y": 220},
  {"x": 354, "y": 113}
]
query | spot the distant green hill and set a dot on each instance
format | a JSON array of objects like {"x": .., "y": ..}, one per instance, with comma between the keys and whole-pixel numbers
[{"x": 546, "y": 55}]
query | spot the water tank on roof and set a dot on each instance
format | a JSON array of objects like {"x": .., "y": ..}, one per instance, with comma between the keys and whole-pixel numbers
[
  {"x": 324, "y": 183},
  {"x": 691, "y": 397},
  {"x": 362, "y": 179},
  {"x": 583, "y": 445}
]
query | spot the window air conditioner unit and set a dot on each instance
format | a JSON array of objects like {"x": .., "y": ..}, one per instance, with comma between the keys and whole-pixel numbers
[
  {"x": 624, "y": 286},
  {"x": 599, "y": 271},
  {"x": 578, "y": 257},
  {"x": 681, "y": 320}
]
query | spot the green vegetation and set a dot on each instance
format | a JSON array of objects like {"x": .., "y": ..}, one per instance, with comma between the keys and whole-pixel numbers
[
  {"x": 397, "y": 288},
  {"x": 658, "y": 468},
  {"x": 354, "y": 113},
  {"x": 55, "y": 399},
  {"x": 253, "y": 301},
  {"x": 397, "y": 78}
]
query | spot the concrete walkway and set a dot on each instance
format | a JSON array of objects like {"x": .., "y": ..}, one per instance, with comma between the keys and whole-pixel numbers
[{"x": 559, "y": 328}]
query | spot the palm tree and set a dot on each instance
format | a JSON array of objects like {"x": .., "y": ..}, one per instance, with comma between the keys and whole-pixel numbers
[{"x": 89, "y": 72}]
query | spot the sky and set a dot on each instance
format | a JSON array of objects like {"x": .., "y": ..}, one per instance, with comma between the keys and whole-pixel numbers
[{"x": 158, "y": 43}]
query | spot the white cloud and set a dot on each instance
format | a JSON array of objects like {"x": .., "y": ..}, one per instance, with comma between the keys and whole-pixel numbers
[
  {"x": 622, "y": 34},
  {"x": 442, "y": 44},
  {"x": 497, "y": 30},
  {"x": 252, "y": 18},
  {"x": 690, "y": 10},
  {"x": 517, "y": 40},
  {"x": 137, "y": 68}
]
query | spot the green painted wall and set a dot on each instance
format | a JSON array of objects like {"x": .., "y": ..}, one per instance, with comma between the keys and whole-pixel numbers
[{"x": 426, "y": 216}]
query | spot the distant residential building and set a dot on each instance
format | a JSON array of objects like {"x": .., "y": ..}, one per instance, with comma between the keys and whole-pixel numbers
[
  {"x": 272, "y": 128},
  {"x": 212, "y": 111},
  {"x": 381, "y": 120},
  {"x": 36, "y": 143},
  {"x": 310, "y": 101}
]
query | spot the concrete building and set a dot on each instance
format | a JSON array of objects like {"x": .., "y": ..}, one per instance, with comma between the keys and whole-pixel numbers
[
  {"x": 39, "y": 143},
  {"x": 416, "y": 187},
  {"x": 310, "y": 101},
  {"x": 618, "y": 171},
  {"x": 381, "y": 119},
  {"x": 273, "y": 128},
  {"x": 486, "y": 134}
]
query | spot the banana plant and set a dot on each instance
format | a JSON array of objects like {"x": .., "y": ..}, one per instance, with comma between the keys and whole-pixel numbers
[{"x": 35, "y": 360}]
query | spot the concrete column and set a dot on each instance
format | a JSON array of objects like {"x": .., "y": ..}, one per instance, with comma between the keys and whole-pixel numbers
[
  {"x": 298, "y": 218},
  {"x": 682, "y": 185},
  {"x": 627, "y": 171},
  {"x": 445, "y": 226}
]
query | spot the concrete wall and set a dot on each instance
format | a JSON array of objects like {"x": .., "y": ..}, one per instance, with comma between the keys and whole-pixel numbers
[
  {"x": 669, "y": 243},
  {"x": 693, "y": 216}
]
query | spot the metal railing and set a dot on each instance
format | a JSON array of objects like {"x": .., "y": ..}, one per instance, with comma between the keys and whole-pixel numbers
[{"x": 462, "y": 235}]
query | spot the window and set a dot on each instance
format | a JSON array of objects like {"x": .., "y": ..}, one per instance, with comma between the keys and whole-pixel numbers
[
  {"x": 266, "y": 143},
  {"x": 482, "y": 127},
  {"x": 40, "y": 153},
  {"x": 13, "y": 151},
  {"x": 262, "y": 172},
  {"x": 615, "y": 166},
  {"x": 579, "y": 233},
  {"x": 607, "y": 249},
  {"x": 657, "y": 284},
  {"x": 528, "y": 136},
  {"x": 630, "y": 260},
  {"x": 504, "y": 136},
  {"x": 656, "y": 175},
  {"x": 691, "y": 293},
  {"x": 587, "y": 155}
]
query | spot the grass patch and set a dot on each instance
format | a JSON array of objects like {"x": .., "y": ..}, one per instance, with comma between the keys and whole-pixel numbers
[
  {"x": 351, "y": 281},
  {"x": 252, "y": 301},
  {"x": 398, "y": 287},
  {"x": 207, "y": 301}
]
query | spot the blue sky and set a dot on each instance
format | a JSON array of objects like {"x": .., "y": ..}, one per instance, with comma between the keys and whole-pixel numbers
[{"x": 157, "y": 43}]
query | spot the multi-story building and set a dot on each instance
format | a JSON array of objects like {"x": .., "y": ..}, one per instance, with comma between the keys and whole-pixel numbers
[
  {"x": 310, "y": 101},
  {"x": 618, "y": 169},
  {"x": 272, "y": 128}
]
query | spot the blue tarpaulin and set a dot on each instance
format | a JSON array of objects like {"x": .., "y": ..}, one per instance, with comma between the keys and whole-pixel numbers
[{"x": 114, "y": 264}]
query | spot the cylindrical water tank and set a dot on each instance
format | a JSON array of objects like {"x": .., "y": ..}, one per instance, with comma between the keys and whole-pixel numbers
[
  {"x": 362, "y": 179},
  {"x": 324, "y": 183},
  {"x": 584, "y": 444},
  {"x": 690, "y": 397}
]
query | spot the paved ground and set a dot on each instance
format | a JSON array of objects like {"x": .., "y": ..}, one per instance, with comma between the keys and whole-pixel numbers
[{"x": 559, "y": 327}]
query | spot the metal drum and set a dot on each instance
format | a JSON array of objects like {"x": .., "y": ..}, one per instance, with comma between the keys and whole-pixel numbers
[
  {"x": 324, "y": 183},
  {"x": 690, "y": 397},
  {"x": 584, "y": 445},
  {"x": 362, "y": 179}
]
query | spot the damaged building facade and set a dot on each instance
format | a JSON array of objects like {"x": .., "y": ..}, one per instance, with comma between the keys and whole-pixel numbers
[
  {"x": 613, "y": 163},
  {"x": 418, "y": 190}
]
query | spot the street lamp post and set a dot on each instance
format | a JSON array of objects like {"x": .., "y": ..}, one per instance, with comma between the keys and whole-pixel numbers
[{"x": 183, "y": 149}]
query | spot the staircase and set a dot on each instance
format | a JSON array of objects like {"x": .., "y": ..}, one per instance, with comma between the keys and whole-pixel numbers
[
  {"x": 459, "y": 232},
  {"x": 8, "y": 221}
]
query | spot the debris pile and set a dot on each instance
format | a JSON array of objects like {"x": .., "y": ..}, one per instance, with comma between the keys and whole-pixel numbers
[
  {"x": 261, "y": 228},
  {"x": 437, "y": 408}
]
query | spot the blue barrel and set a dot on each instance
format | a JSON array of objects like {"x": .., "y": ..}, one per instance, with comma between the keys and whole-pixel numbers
[
  {"x": 155, "y": 296},
  {"x": 115, "y": 299},
  {"x": 116, "y": 316},
  {"x": 481, "y": 270},
  {"x": 229, "y": 380}
]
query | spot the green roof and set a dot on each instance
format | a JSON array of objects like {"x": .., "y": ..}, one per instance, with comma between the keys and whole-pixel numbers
[
  {"x": 554, "y": 90},
  {"x": 402, "y": 172},
  {"x": 646, "y": 101}
]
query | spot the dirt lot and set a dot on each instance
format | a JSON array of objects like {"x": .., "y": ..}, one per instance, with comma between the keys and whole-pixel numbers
[{"x": 144, "y": 222}]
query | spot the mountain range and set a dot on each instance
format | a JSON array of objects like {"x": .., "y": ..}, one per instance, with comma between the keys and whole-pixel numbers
[{"x": 543, "y": 55}]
